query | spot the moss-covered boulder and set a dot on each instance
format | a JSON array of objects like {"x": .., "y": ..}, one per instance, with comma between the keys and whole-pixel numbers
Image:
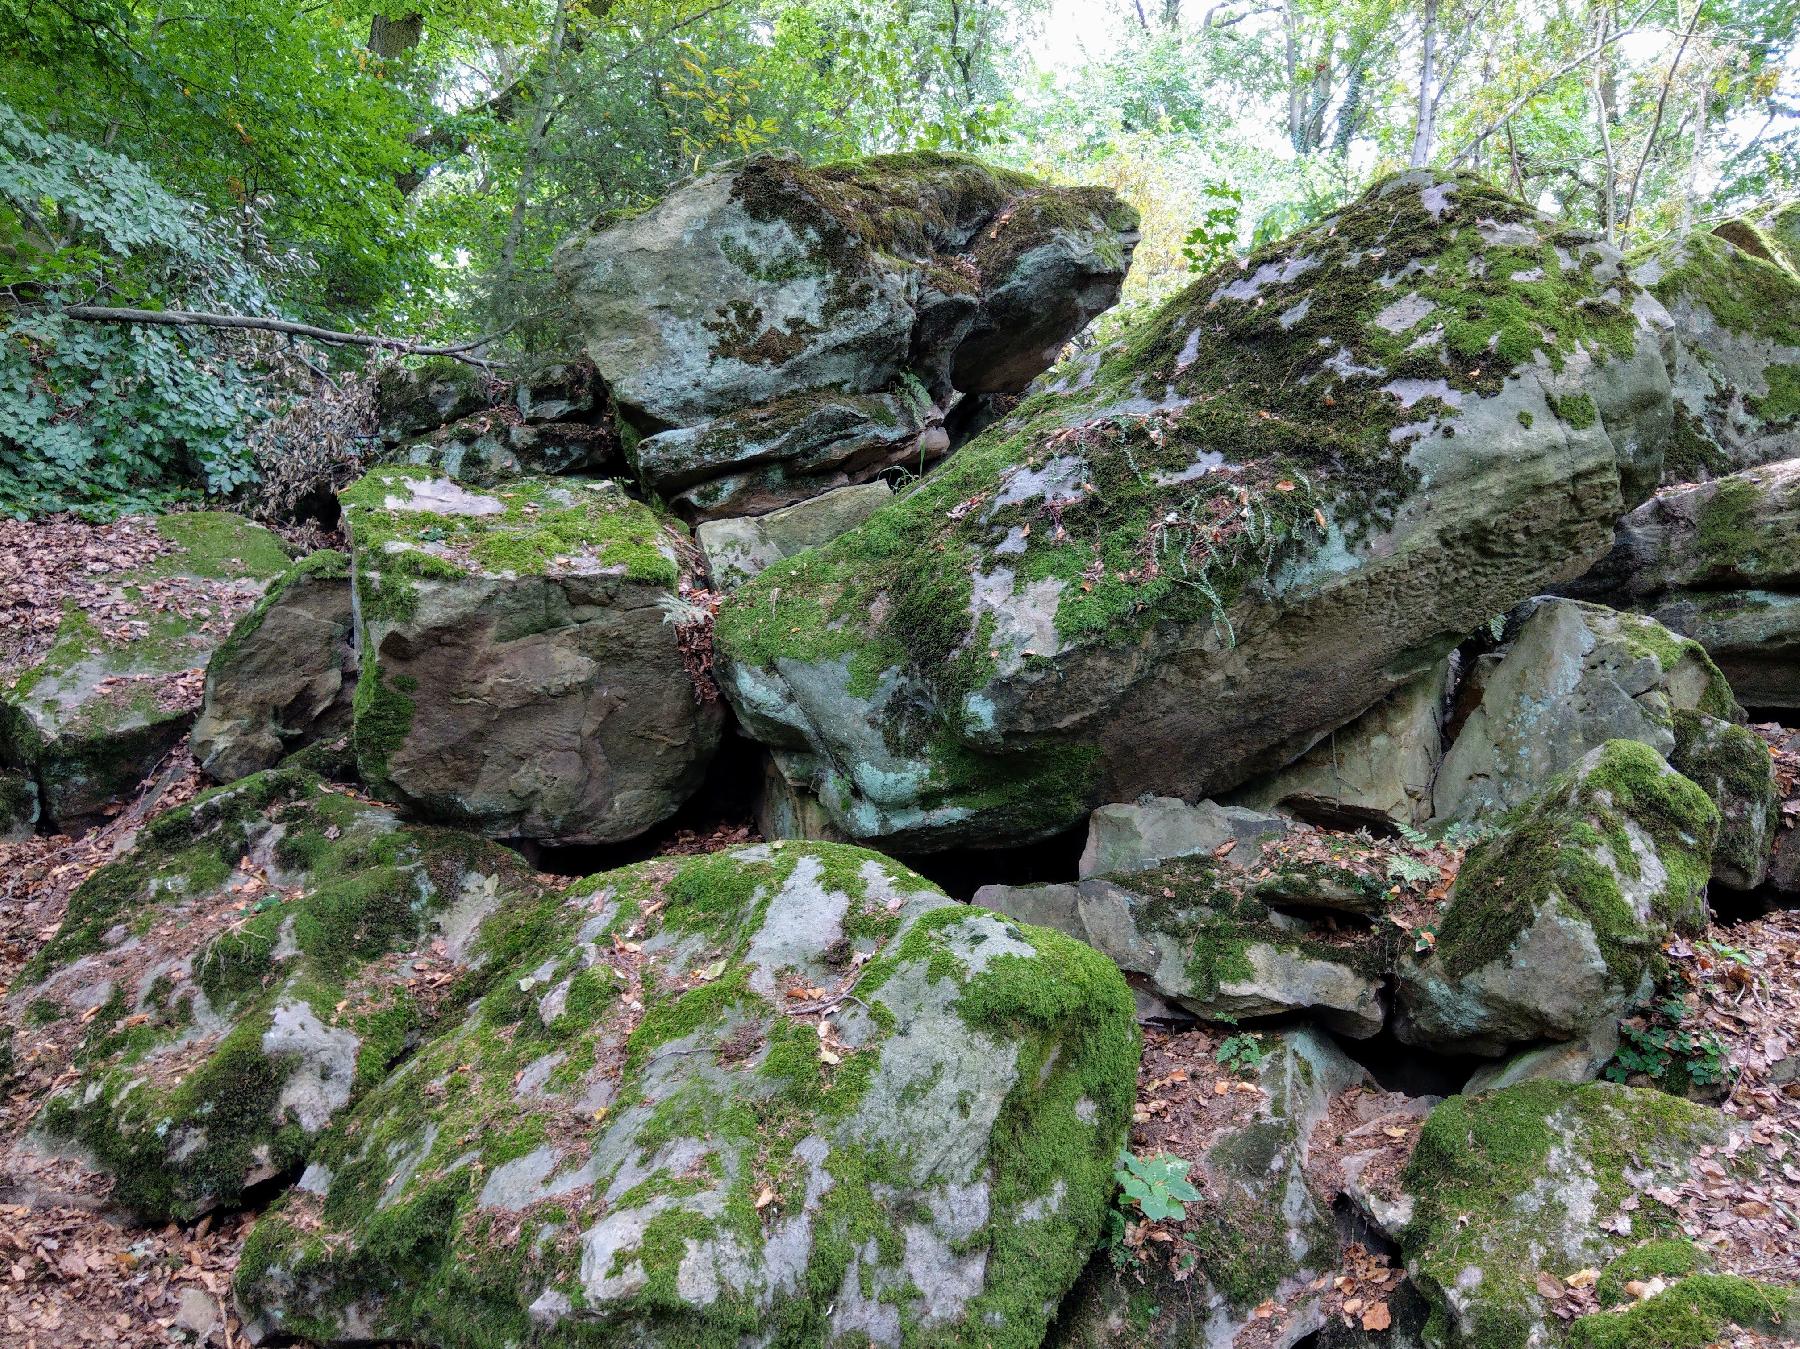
[
  {"x": 1532, "y": 1179},
  {"x": 113, "y": 694},
  {"x": 257, "y": 961},
  {"x": 1248, "y": 1259},
  {"x": 1555, "y": 920},
  {"x": 1193, "y": 935},
  {"x": 1291, "y": 491},
  {"x": 284, "y": 677},
  {"x": 1733, "y": 294},
  {"x": 494, "y": 447},
  {"x": 774, "y": 330},
  {"x": 1733, "y": 766},
  {"x": 1694, "y": 1312},
  {"x": 1573, "y": 677},
  {"x": 1720, "y": 562},
  {"x": 522, "y": 672},
  {"x": 784, "y": 1092}
]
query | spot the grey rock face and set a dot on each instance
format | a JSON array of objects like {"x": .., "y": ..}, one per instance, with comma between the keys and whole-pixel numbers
[
  {"x": 1553, "y": 920},
  {"x": 1043, "y": 656},
  {"x": 775, "y": 331},
  {"x": 519, "y": 675},
  {"x": 1575, "y": 676},
  {"x": 1379, "y": 768},
  {"x": 1733, "y": 767},
  {"x": 285, "y": 676},
  {"x": 650, "y": 1046},
  {"x": 1719, "y": 562},
  {"x": 1158, "y": 829},
  {"x": 737, "y": 549}
]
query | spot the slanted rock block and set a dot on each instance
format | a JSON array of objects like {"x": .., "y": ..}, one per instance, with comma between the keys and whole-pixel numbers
[
  {"x": 782, "y": 1086},
  {"x": 1294, "y": 489},
  {"x": 284, "y": 677},
  {"x": 258, "y": 961},
  {"x": 519, "y": 672},
  {"x": 115, "y": 692}
]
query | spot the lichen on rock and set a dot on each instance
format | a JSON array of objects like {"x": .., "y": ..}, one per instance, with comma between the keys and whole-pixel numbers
[
  {"x": 1291, "y": 490},
  {"x": 259, "y": 959},
  {"x": 782, "y": 1090}
]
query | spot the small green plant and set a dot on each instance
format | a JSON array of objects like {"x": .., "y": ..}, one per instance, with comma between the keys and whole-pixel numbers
[
  {"x": 1208, "y": 246},
  {"x": 1242, "y": 1053},
  {"x": 1663, "y": 1045},
  {"x": 1409, "y": 870},
  {"x": 1412, "y": 834},
  {"x": 1465, "y": 833},
  {"x": 1157, "y": 1185}
]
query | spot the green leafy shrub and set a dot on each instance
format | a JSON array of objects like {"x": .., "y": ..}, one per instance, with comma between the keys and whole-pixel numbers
[
  {"x": 101, "y": 418},
  {"x": 1157, "y": 1185}
]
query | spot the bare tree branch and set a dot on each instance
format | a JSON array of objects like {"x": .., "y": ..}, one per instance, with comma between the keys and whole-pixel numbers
[
  {"x": 1662, "y": 103},
  {"x": 188, "y": 318}
]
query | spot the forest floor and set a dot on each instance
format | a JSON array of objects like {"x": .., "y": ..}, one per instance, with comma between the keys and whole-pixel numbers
[{"x": 74, "y": 1273}]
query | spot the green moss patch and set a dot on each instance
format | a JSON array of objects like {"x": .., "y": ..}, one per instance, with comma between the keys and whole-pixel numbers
[{"x": 1696, "y": 1312}]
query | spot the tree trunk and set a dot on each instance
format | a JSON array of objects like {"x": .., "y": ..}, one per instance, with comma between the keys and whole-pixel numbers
[
  {"x": 1425, "y": 131},
  {"x": 394, "y": 38}
]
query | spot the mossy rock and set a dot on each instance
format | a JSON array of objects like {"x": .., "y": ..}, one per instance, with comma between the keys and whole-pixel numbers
[
  {"x": 1574, "y": 676},
  {"x": 1732, "y": 766},
  {"x": 1530, "y": 1178},
  {"x": 783, "y": 1091},
  {"x": 1556, "y": 920},
  {"x": 1195, "y": 937},
  {"x": 1291, "y": 490},
  {"x": 774, "y": 278},
  {"x": 1719, "y": 562},
  {"x": 494, "y": 447},
  {"x": 1693, "y": 1313},
  {"x": 98, "y": 710},
  {"x": 1733, "y": 296},
  {"x": 1260, "y": 1230},
  {"x": 18, "y": 805},
  {"x": 520, "y": 672},
  {"x": 284, "y": 677},
  {"x": 258, "y": 960}
]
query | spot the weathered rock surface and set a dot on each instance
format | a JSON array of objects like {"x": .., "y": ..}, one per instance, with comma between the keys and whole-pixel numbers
[
  {"x": 737, "y": 549},
  {"x": 1554, "y": 920},
  {"x": 1261, "y": 1229},
  {"x": 518, "y": 675},
  {"x": 682, "y": 1152},
  {"x": 92, "y": 716},
  {"x": 785, "y": 807},
  {"x": 284, "y": 677},
  {"x": 1720, "y": 562},
  {"x": 258, "y": 961},
  {"x": 1733, "y": 767},
  {"x": 775, "y": 330},
  {"x": 1156, "y": 829},
  {"x": 488, "y": 448},
  {"x": 1379, "y": 768},
  {"x": 1531, "y": 1178},
  {"x": 1190, "y": 935},
  {"x": 1292, "y": 492},
  {"x": 1733, "y": 295},
  {"x": 1574, "y": 676}
]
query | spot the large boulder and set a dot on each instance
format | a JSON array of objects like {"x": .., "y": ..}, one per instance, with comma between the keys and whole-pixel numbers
[
  {"x": 284, "y": 677},
  {"x": 1292, "y": 491},
  {"x": 1719, "y": 562},
  {"x": 1145, "y": 833},
  {"x": 96, "y": 712},
  {"x": 780, "y": 1092},
  {"x": 259, "y": 960},
  {"x": 1573, "y": 677},
  {"x": 1542, "y": 1180},
  {"x": 1733, "y": 766},
  {"x": 787, "y": 329},
  {"x": 1733, "y": 294},
  {"x": 1555, "y": 920},
  {"x": 1247, "y": 1258},
  {"x": 520, "y": 672},
  {"x": 1192, "y": 936}
]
